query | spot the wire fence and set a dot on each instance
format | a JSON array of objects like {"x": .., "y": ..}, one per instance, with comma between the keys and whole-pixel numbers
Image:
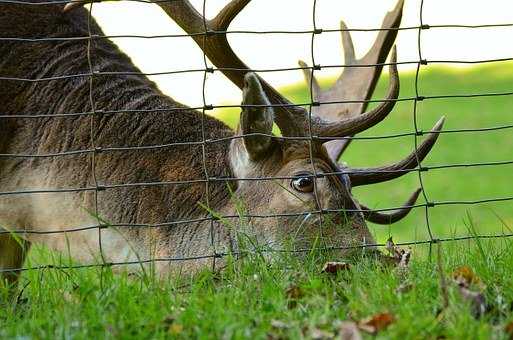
[{"x": 93, "y": 149}]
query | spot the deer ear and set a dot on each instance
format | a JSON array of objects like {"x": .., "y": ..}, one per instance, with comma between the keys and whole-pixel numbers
[{"x": 256, "y": 119}]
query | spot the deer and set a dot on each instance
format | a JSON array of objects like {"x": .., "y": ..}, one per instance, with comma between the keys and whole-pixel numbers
[{"x": 96, "y": 162}]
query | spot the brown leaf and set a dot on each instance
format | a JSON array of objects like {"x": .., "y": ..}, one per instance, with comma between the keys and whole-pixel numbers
[
  {"x": 294, "y": 292},
  {"x": 509, "y": 330},
  {"x": 335, "y": 267},
  {"x": 376, "y": 323},
  {"x": 401, "y": 257},
  {"x": 470, "y": 287},
  {"x": 465, "y": 276},
  {"x": 390, "y": 246},
  {"x": 175, "y": 329},
  {"x": 349, "y": 331}
]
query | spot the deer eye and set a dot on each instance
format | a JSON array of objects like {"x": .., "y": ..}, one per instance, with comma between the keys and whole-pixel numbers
[{"x": 303, "y": 183}]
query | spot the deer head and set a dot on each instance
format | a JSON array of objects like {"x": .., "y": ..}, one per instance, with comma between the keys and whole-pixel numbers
[{"x": 295, "y": 177}]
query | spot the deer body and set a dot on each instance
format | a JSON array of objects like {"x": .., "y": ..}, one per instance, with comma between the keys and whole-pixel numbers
[
  {"x": 55, "y": 211},
  {"x": 158, "y": 197}
]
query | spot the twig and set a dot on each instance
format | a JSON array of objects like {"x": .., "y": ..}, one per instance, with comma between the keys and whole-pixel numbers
[{"x": 443, "y": 280}]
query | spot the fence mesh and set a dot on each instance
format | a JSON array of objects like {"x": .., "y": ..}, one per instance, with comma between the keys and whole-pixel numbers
[{"x": 94, "y": 149}]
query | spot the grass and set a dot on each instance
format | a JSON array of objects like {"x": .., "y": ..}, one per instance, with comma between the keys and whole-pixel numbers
[
  {"x": 287, "y": 298},
  {"x": 290, "y": 297}
]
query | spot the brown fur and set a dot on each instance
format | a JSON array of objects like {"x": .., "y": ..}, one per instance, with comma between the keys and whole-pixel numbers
[{"x": 153, "y": 126}]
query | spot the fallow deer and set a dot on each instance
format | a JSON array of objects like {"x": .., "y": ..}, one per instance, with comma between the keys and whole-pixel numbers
[{"x": 83, "y": 131}]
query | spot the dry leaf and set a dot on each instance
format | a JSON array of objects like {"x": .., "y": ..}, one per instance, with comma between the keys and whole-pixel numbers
[
  {"x": 277, "y": 324},
  {"x": 175, "y": 329},
  {"x": 335, "y": 267},
  {"x": 465, "y": 275},
  {"x": 294, "y": 292},
  {"x": 172, "y": 327},
  {"x": 390, "y": 246},
  {"x": 465, "y": 278},
  {"x": 509, "y": 330},
  {"x": 278, "y": 330},
  {"x": 401, "y": 257},
  {"x": 376, "y": 323},
  {"x": 320, "y": 334},
  {"x": 349, "y": 331}
]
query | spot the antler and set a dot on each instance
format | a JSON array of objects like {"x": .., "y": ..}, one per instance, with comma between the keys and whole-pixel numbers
[
  {"x": 364, "y": 176},
  {"x": 357, "y": 82},
  {"x": 293, "y": 121},
  {"x": 357, "y": 123},
  {"x": 383, "y": 218},
  {"x": 210, "y": 35}
]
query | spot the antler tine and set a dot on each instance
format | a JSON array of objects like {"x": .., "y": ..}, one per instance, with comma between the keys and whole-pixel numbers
[
  {"x": 356, "y": 83},
  {"x": 72, "y": 5},
  {"x": 347, "y": 44},
  {"x": 389, "y": 172},
  {"x": 384, "y": 218},
  {"x": 310, "y": 79},
  {"x": 353, "y": 125}
]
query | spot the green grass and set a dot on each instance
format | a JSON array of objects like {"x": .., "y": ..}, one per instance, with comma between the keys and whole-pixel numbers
[
  {"x": 449, "y": 184},
  {"x": 251, "y": 297}
]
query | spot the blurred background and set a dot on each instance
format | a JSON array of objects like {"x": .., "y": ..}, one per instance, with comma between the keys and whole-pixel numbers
[{"x": 454, "y": 68}]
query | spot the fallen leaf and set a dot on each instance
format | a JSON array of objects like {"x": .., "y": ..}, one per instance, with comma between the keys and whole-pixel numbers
[
  {"x": 390, "y": 246},
  {"x": 509, "y": 330},
  {"x": 401, "y": 257},
  {"x": 404, "y": 260},
  {"x": 349, "y": 331},
  {"x": 277, "y": 330},
  {"x": 171, "y": 325},
  {"x": 175, "y": 329},
  {"x": 277, "y": 324},
  {"x": 465, "y": 275},
  {"x": 335, "y": 267},
  {"x": 294, "y": 292},
  {"x": 320, "y": 334},
  {"x": 376, "y": 323},
  {"x": 470, "y": 287}
]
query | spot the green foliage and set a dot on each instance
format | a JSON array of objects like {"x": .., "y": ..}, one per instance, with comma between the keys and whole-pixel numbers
[{"x": 253, "y": 296}]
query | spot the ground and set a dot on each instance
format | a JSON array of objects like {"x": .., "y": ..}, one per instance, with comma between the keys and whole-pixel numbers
[
  {"x": 290, "y": 298},
  {"x": 283, "y": 299}
]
